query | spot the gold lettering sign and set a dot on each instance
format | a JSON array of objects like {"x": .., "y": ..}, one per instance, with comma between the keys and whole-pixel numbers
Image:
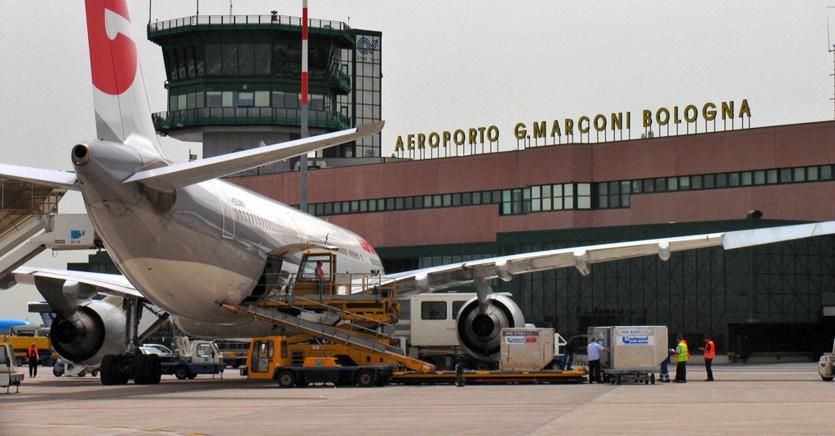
[{"x": 539, "y": 129}]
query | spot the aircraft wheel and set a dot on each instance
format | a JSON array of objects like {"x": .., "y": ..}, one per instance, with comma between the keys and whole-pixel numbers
[
  {"x": 365, "y": 378},
  {"x": 286, "y": 378},
  {"x": 107, "y": 367},
  {"x": 146, "y": 369}
]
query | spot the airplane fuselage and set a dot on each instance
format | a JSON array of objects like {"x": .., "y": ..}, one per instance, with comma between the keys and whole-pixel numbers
[{"x": 210, "y": 246}]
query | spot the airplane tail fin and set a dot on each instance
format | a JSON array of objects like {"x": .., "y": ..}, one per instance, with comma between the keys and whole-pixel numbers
[{"x": 122, "y": 112}]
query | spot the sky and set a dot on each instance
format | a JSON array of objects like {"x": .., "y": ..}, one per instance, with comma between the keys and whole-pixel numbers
[{"x": 449, "y": 65}]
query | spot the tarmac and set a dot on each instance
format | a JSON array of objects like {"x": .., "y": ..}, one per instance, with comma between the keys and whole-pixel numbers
[{"x": 787, "y": 398}]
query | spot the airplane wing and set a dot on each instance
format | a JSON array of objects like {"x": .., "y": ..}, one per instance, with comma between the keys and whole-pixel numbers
[
  {"x": 173, "y": 176},
  {"x": 58, "y": 179},
  {"x": 63, "y": 289},
  {"x": 505, "y": 267}
]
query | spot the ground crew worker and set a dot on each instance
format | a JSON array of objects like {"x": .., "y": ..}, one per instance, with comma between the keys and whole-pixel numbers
[
  {"x": 319, "y": 273},
  {"x": 32, "y": 354},
  {"x": 593, "y": 350},
  {"x": 682, "y": 356},
  {"x": 710, "y": 352}
]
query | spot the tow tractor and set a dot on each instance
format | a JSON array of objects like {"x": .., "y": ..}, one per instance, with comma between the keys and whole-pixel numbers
[
  {"x": 273, "y": 358},
  {"x": 340, "y": 333}
]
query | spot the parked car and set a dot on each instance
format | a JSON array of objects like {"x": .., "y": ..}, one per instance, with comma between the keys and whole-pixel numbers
[{"x": 162, "y": 351}]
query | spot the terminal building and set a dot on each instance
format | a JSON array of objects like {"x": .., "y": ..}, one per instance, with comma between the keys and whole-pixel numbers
[
  {"x": 233, "y": 84},
  {"x": 775, "y": 298}
]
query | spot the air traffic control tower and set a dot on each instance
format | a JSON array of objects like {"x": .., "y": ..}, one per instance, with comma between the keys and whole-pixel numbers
[{"x": 234, "y": 83}]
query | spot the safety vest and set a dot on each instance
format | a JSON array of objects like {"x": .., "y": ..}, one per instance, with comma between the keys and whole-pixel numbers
[
  {"x": 710, "y": 350},
  {"x": 33, "y": 351},
  {"x": 684, "y": 355}
]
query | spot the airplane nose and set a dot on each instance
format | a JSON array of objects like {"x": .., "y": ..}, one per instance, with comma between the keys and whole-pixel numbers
[{"x": 81, "y": 154}]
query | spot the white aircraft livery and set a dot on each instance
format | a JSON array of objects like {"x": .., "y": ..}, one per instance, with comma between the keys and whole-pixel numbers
[{"x": 188, "y": 242}]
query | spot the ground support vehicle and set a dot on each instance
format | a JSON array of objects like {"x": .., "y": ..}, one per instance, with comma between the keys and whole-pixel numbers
[
  {"x": 64, "y": 368},
  {"x": 616, "y": 377},
  {"x": 826, "y": 364},
  {"x": 274, "y": 358},
  {"x": 491, "y": 377},
  {"x": 21, "y": 344},
  {"x": 9, "y": 375},
  {"x": 193, "y": 358},
  {"x": 634, "y": 353}
]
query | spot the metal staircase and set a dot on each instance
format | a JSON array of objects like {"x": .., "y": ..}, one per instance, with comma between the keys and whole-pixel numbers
[{"x": 332, "y": 333}]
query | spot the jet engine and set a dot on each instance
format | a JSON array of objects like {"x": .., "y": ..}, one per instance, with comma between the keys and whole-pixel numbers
[
  {"x": 96, "y": 328},
  {"x": 480, "y": 332}
]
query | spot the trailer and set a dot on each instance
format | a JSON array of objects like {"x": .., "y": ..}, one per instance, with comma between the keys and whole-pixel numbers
[
  {"x": 490, "y": 377},
  {"x": 634, "y": 352}
]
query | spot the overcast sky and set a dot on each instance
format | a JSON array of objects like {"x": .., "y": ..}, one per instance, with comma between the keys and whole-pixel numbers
[{"x": 451, "y": 65}]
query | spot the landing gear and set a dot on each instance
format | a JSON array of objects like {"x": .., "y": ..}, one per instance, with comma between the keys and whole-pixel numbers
[{"x": 118, "y": 369}]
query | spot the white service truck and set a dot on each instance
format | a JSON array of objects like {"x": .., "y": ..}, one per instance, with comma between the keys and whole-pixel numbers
[
  {"x": 193, "y": 358},
  {"x": 431, "y": 331}
]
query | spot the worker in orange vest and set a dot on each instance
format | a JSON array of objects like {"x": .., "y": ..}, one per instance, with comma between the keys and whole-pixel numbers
[
  {"x": 32, "y": 354},
  {"x": 710, "y": 352}
]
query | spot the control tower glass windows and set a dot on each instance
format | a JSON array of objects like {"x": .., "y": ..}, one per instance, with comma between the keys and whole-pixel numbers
[
  {"x": 214, "y": 59},
  {"x": 367, "y": 80}
]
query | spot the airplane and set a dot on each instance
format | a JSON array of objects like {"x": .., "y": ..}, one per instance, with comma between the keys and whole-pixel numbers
[
  {"x": 187, "y": 241},
  {"x": 7, "y": 324}
]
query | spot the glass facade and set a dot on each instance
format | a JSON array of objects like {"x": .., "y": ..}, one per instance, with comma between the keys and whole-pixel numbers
[
  {"x": 368, "y": 89},
  {"x": 577, "y": 196},
  {"x": 617, "y": 193},
  {"x": 509, "y": 201}
]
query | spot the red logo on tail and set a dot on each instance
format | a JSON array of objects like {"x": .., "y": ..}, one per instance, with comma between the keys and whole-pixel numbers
[{"x": 113, "y": 62}]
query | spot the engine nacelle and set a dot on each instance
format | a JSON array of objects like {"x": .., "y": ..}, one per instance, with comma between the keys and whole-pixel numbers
[
  {"x": 95, "y": 329},
  {"x": 480, "y": 333}
]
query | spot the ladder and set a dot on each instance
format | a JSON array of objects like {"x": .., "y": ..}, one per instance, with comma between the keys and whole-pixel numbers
[{"x": 332, "y": 333}]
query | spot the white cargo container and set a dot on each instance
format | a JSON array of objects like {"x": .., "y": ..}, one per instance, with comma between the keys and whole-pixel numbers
[
  {"x": 632, "y": 348},
  {"x": 526, "y": 349}
]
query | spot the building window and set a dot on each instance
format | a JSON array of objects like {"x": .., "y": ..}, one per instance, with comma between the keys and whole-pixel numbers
[
  {"x": 246, "y": 99},
  {"x": 800, "y": 174},
  {"x": 584, "y": 196},
  {"x": 262, "y": 98}
]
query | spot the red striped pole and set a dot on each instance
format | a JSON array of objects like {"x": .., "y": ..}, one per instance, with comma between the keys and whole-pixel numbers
[
  {"x": 304, "y": 51},
  {"x": 304, "y": 113}
]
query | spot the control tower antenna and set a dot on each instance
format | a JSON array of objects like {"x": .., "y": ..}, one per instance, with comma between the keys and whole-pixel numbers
[
  {"x": 831, "y": 49},
  {"x": 304, "y": 112}
]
